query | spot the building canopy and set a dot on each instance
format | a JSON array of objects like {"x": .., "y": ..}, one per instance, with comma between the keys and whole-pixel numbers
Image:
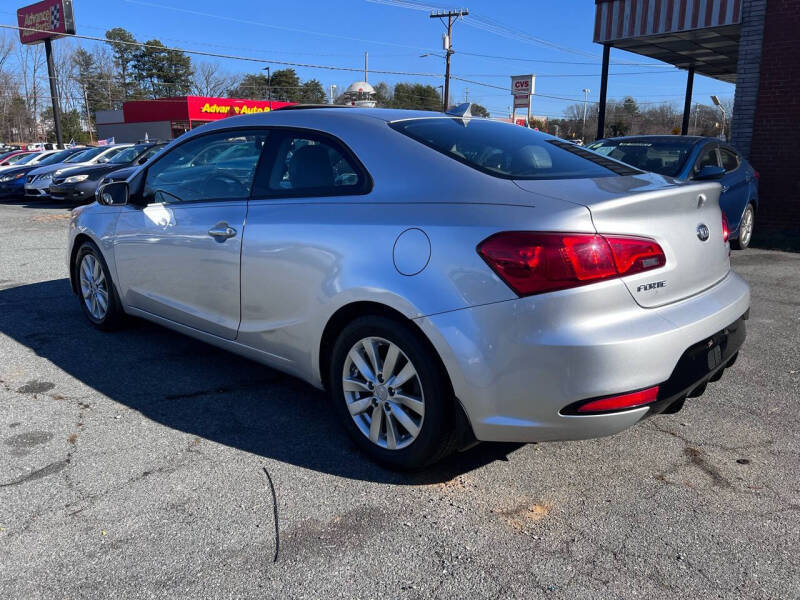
[{"x": 703, "y": 34}]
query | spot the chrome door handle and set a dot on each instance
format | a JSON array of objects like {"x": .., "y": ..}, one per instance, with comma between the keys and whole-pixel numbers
[{"x": 222, "y": 231}]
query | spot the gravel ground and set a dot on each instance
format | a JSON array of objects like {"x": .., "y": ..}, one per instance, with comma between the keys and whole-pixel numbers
[{"x": 139, "y": 465}]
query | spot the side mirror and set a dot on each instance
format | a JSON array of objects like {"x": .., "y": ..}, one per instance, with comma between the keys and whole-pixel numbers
[
  {"x": 114, "y": 193},
  {"x": 709, "y": 172}
]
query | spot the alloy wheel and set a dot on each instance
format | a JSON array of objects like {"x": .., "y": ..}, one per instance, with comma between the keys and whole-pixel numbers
[
  {"x": 94, "y": 287},
  {"x": 746, "y": 227},
  {"x": 383, "y": 393}
]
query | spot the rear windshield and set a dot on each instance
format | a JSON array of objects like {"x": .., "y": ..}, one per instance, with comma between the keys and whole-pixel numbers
[
  {"x": 662, "y": 156},
  {"x": 509, "y": 151}
]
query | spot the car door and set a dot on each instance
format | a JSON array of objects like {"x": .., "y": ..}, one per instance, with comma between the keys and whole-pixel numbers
[
  {"x": 288, "y": 263},
  {"x": 177, "y": 250},
  {"x": 735, "y": 186}
]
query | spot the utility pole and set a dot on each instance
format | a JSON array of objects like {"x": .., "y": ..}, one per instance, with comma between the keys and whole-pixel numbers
[
  {"x": 448, "y": 37},
  {"x": 585, "y": 100},
  {"x": 366, "y": 66},
  {"x": 51, "y": 71},
  {"x": 88, "y": 114},
  {"x": 466, "y": 94}
]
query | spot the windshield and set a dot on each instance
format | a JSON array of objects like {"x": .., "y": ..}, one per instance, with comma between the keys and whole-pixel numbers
[
  {"x": 147, "y": 154},
  {"x": 663, "y": 156},
  {"x": 509, "y": 151},
  {"x": 13, "y": 160},
  {"x": 56, "y": 158},
  {"x": 127, "y": 155},
  {"x": 86, "y": 155}
]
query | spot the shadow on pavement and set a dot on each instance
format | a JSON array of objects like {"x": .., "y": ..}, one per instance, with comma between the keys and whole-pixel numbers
[
  {"x": 40, "y": 203},
  {"x": 192, "y": 387}
]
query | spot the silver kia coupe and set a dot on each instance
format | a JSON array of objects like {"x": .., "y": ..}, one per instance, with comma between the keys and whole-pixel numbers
[{"x": 447, "y": 279}]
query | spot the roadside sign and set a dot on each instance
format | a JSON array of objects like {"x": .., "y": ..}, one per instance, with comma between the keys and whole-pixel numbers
[
  {"x": 522, "y": 85},
  {"x": 522, "y": 101},
  {"x": 45, "y": 20}
]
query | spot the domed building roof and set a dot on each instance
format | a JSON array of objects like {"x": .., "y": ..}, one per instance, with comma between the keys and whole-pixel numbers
[
  {"x": 359, "y": 93},
  {"x": 360, "y": 86}
]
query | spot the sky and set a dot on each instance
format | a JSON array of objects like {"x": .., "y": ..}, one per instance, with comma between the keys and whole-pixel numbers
[{"x": 552, "y": 40}]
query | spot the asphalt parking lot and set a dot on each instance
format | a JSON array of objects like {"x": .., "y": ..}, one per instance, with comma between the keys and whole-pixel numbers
[{"x": 142, "y": 464}]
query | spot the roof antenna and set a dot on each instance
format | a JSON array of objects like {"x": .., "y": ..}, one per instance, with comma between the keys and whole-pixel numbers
[{"x": 463, "y": 111}]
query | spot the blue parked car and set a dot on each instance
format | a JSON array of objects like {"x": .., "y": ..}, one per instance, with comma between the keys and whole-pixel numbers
[{"x": 691, "y": 158}]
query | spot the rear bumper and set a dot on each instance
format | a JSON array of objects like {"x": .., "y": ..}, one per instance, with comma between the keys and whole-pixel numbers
[{"x": 516, "y": 365}]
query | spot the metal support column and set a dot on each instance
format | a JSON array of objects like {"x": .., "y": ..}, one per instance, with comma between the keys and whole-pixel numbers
[
  {"x": 51, "y": 72},
  {"x": 601, "y": 114},
  {"x": 687, "y": 103}
]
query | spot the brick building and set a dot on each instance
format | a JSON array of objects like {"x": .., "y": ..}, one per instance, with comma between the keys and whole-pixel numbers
[{"x": 753, "y": 43}]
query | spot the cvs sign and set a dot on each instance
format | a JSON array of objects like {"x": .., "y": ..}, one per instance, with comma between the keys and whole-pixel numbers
[{"x": 522, "y": 85}]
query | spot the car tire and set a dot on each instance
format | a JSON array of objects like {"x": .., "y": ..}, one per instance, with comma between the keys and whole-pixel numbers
[
  {"x": 416, "y": 416},
  {"x": 95, "y": 288},
  {"x": 748, "y": 220}
]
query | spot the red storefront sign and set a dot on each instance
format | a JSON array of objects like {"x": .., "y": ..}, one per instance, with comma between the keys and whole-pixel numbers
[
  {"x": 194, "y": 108},
  {"x": 46, "y": 19}
]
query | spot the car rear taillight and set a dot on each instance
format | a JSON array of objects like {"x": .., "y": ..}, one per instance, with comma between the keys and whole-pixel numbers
[
  {"x": 531, "y": 262},
  {"x": 726, "y": 232},
  {"x": 757, "y": 175},
  {"x": 622, "y": 402}
]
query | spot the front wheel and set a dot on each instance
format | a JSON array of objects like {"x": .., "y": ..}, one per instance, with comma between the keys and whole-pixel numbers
[
  {"x": 391, "y": 395},
  {"x": 745, "y": 228},
  {"x": 96, "y": 291}
]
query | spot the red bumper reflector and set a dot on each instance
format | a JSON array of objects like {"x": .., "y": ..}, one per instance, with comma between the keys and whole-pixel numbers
[
  {"x": 624, "y": 401},
  {"x": 726, "y": 232}
]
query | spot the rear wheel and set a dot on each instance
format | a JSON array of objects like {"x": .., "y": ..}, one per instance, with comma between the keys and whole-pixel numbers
[
  {"x": 96, "y": 291},
  {"x": 391, "y": 395},
  {"x": 745, "y": 228}
]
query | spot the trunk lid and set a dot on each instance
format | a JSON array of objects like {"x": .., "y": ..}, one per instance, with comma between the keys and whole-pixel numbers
[{"x": 662, "y": 209}]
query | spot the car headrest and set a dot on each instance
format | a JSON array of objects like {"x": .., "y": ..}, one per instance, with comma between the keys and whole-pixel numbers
[{"x": 310, "y": 167}]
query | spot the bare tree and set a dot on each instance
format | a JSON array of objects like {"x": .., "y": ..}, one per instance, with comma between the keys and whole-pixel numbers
[{"x": 210, "y": 80}]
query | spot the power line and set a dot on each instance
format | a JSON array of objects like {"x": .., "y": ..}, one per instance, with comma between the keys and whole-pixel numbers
[{"x": 272, "y": 26}]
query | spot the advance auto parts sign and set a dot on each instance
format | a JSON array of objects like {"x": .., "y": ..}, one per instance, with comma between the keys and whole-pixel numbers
[
  {"x": 47, "y": 19},
  {"x": 223, "y": 109},
  {"x": 203, "y": 108}
]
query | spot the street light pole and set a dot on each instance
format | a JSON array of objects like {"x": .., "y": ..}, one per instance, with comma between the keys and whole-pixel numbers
[
  {"x": 716, "y": 101},
  {"x": 585, "y": 100},
  {"x": 450, "y": 14}
]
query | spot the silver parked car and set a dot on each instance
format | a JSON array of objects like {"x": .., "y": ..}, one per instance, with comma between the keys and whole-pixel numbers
[{"x": 446, "y": 278}]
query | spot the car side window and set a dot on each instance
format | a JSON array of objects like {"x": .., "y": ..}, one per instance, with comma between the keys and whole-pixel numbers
[
  {"x": 310, "y": 165},
  {"x": 730, "y": 161},
  {"x": 708, "y": 157},
  {"x": 218, "y": 166}
]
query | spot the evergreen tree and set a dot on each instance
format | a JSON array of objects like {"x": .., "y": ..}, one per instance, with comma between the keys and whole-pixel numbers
[
  {"x": 311, "y": 92},
  {"x": 125, "y": 51},
  {"x": 162, "y": 72},
  {"x": 479, "y": 111}
]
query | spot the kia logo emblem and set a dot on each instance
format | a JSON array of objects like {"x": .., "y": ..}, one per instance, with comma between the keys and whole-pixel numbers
[{"x": 702, "y": 232}]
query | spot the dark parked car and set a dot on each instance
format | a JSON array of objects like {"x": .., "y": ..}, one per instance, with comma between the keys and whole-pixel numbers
[
  {"x": 81, "y": 182},
  {"x": 692, "y": 158}
]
